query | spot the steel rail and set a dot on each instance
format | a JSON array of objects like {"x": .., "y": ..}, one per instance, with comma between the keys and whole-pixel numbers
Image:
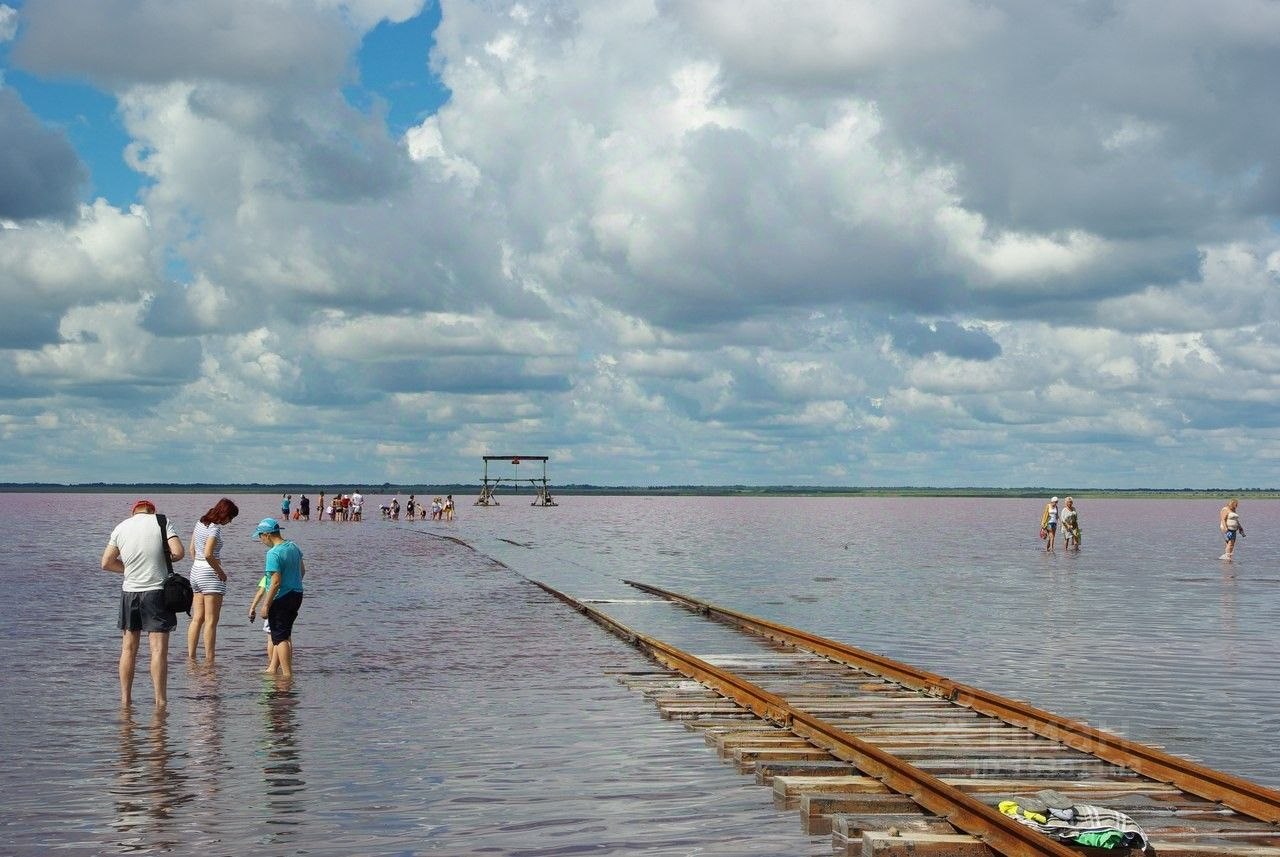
[
  {"x": 996, "y": 830},
  {"x": 1239, "y": 794}
]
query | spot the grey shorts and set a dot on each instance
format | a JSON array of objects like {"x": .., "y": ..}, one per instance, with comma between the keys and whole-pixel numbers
[{"x": 145, "y": 611}]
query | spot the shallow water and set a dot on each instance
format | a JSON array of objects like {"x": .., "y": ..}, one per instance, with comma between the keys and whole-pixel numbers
[{"x": 444, "y": 705}]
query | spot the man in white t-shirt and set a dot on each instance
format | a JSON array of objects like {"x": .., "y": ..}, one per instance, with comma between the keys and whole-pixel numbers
[
  {"x": 135, "y": 550},
  {"x": 357, "y": 505}
]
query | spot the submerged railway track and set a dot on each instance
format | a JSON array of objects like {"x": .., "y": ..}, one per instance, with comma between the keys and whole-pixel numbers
[{"x": 895, "y": 760}]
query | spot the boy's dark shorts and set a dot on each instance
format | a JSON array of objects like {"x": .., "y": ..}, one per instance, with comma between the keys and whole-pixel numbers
[
  {"x": 145, "y": 611},
  {"x": 284, "y": 610}
]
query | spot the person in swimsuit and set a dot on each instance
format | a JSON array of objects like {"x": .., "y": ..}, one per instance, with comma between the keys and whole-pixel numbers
[
  {"x": 1049, "y": 522},
  {"x": 1229, "y": 524},
  {"x": 208, "y": 578}
]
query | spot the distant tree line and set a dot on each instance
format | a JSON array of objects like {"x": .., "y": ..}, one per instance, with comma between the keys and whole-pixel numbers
[{"x": 464, "y": 489}]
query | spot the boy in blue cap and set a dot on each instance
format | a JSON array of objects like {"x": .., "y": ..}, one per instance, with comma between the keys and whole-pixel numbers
[{"x": 286, "y": 569}]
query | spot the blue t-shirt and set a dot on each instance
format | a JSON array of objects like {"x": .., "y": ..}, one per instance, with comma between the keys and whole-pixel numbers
[{"x": 286, "y": 560}]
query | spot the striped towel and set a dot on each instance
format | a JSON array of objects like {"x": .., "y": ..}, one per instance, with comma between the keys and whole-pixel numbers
[{"x": 1088, "y": 819}]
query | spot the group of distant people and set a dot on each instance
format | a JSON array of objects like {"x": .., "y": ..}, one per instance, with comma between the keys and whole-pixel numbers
[
  {"x": 341, "y": 507},
  {"x": 1068, "y": 520},
  {"x": 441, "y": 509},
  {"x": 143, "y": 547},
  {"x": 350, "y": 507}
]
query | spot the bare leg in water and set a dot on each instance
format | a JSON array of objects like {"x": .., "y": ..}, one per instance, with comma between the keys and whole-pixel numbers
[
  {"x": 128, "y": 659},
  {"x": 212, "y": 610},
  {"x": 196, "y": 625},
  {"x": 160, "y": 666}
]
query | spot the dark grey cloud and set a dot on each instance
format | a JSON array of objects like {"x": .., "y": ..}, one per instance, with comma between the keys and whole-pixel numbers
[
  {"x": 329, "y": 385},
  {"x": 16, "y": 388},
  {"x": 328, "y": 151},
  {"x": 122, "y": 42},
  {"x": 169, "y": 314},
  {"x": 41, "y": 175},
  {"x": 25, "y": 324},
  {"x": 942, "y": 337}
]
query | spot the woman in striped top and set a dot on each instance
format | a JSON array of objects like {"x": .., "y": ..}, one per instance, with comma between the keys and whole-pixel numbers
[{"x": 208, "y": 580}]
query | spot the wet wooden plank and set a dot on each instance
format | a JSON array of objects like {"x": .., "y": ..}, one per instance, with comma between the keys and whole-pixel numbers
[
  {"x": 830, "y": 803},
  {"x": 692, "y": 712},
  {"x": 726, "y": 744},
  {"x": 846, "y": 830},
  {"x": 793, "y": 785},
  {"x": 766, "y": 770},
  {"x": 752, "y": 755},
  {"x": 911, "y": 844},
  {"x": 737, "y": 719},
  {"x": 1066, "y": 769},
  {"x": 1015, "y": 787}
]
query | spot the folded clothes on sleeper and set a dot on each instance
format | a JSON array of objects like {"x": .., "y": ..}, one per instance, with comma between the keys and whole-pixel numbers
[{"x": 1054, "y": 815}]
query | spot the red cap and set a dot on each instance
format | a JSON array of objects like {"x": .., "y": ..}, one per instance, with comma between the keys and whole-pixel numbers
[{"x": 138, "y": 504}]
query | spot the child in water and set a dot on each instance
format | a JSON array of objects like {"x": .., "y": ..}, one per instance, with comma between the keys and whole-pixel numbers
[{"x": 263, "y": 584}]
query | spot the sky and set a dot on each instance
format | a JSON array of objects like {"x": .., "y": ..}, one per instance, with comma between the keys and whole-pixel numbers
[{"x": 832, "y": 242}]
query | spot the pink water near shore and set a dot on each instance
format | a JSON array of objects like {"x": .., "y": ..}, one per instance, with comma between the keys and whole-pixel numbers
[{"x": 434, "y": 712}]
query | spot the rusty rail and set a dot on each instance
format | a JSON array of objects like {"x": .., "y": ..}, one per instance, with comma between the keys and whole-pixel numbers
[
  {"x": 999, "y": 832},
  {"x": 1239, "y": 794}
]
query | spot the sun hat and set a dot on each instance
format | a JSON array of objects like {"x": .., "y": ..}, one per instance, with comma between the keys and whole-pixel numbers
[
  {"x": 1053, "y": 499},
  {"x": 267, "y": 525},
  {"x": 138, "y": 504}
]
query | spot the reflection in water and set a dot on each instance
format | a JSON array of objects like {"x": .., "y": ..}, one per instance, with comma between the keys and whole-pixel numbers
[
  {"x": 206, "y": 729},
  {"x": 147, "y": 790},
  {"x": 1230, "y": 631},
  {"x": 282, "y": 766}
]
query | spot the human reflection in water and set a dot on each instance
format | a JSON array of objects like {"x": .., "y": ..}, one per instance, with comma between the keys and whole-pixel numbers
[
  {"x": 282, "y": 763},
  {"x": 147, "y": 789},
  {"x": 1227, "y": 602},
  {"x": 209, "y": 759}
]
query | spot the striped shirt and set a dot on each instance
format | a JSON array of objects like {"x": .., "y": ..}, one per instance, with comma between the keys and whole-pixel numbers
[
  {"x": 204, "y": 579},
  {"x": 201, "y": 537}
]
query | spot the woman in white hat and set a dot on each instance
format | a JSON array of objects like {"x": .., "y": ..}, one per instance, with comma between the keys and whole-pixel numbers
[{"x": 1049, "y": 522}]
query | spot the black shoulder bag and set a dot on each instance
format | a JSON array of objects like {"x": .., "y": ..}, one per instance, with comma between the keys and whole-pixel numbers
[{"x": 177, "y": 589}]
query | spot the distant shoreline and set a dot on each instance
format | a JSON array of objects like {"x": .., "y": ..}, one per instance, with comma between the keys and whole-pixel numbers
[{"x": 626, "y": 490}]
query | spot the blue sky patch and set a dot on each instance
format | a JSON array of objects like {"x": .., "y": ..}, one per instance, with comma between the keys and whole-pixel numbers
[{"x": 393, "y": 67}]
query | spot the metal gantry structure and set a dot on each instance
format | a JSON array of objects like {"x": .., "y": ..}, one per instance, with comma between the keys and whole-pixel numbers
[{"x": 489, "y": 485}]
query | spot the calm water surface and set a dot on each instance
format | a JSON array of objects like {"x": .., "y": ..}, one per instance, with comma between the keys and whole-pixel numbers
[{"x": 436, "y": 712}]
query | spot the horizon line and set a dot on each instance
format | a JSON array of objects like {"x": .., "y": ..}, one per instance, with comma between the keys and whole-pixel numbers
[{"x": 286, "y": 487}]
